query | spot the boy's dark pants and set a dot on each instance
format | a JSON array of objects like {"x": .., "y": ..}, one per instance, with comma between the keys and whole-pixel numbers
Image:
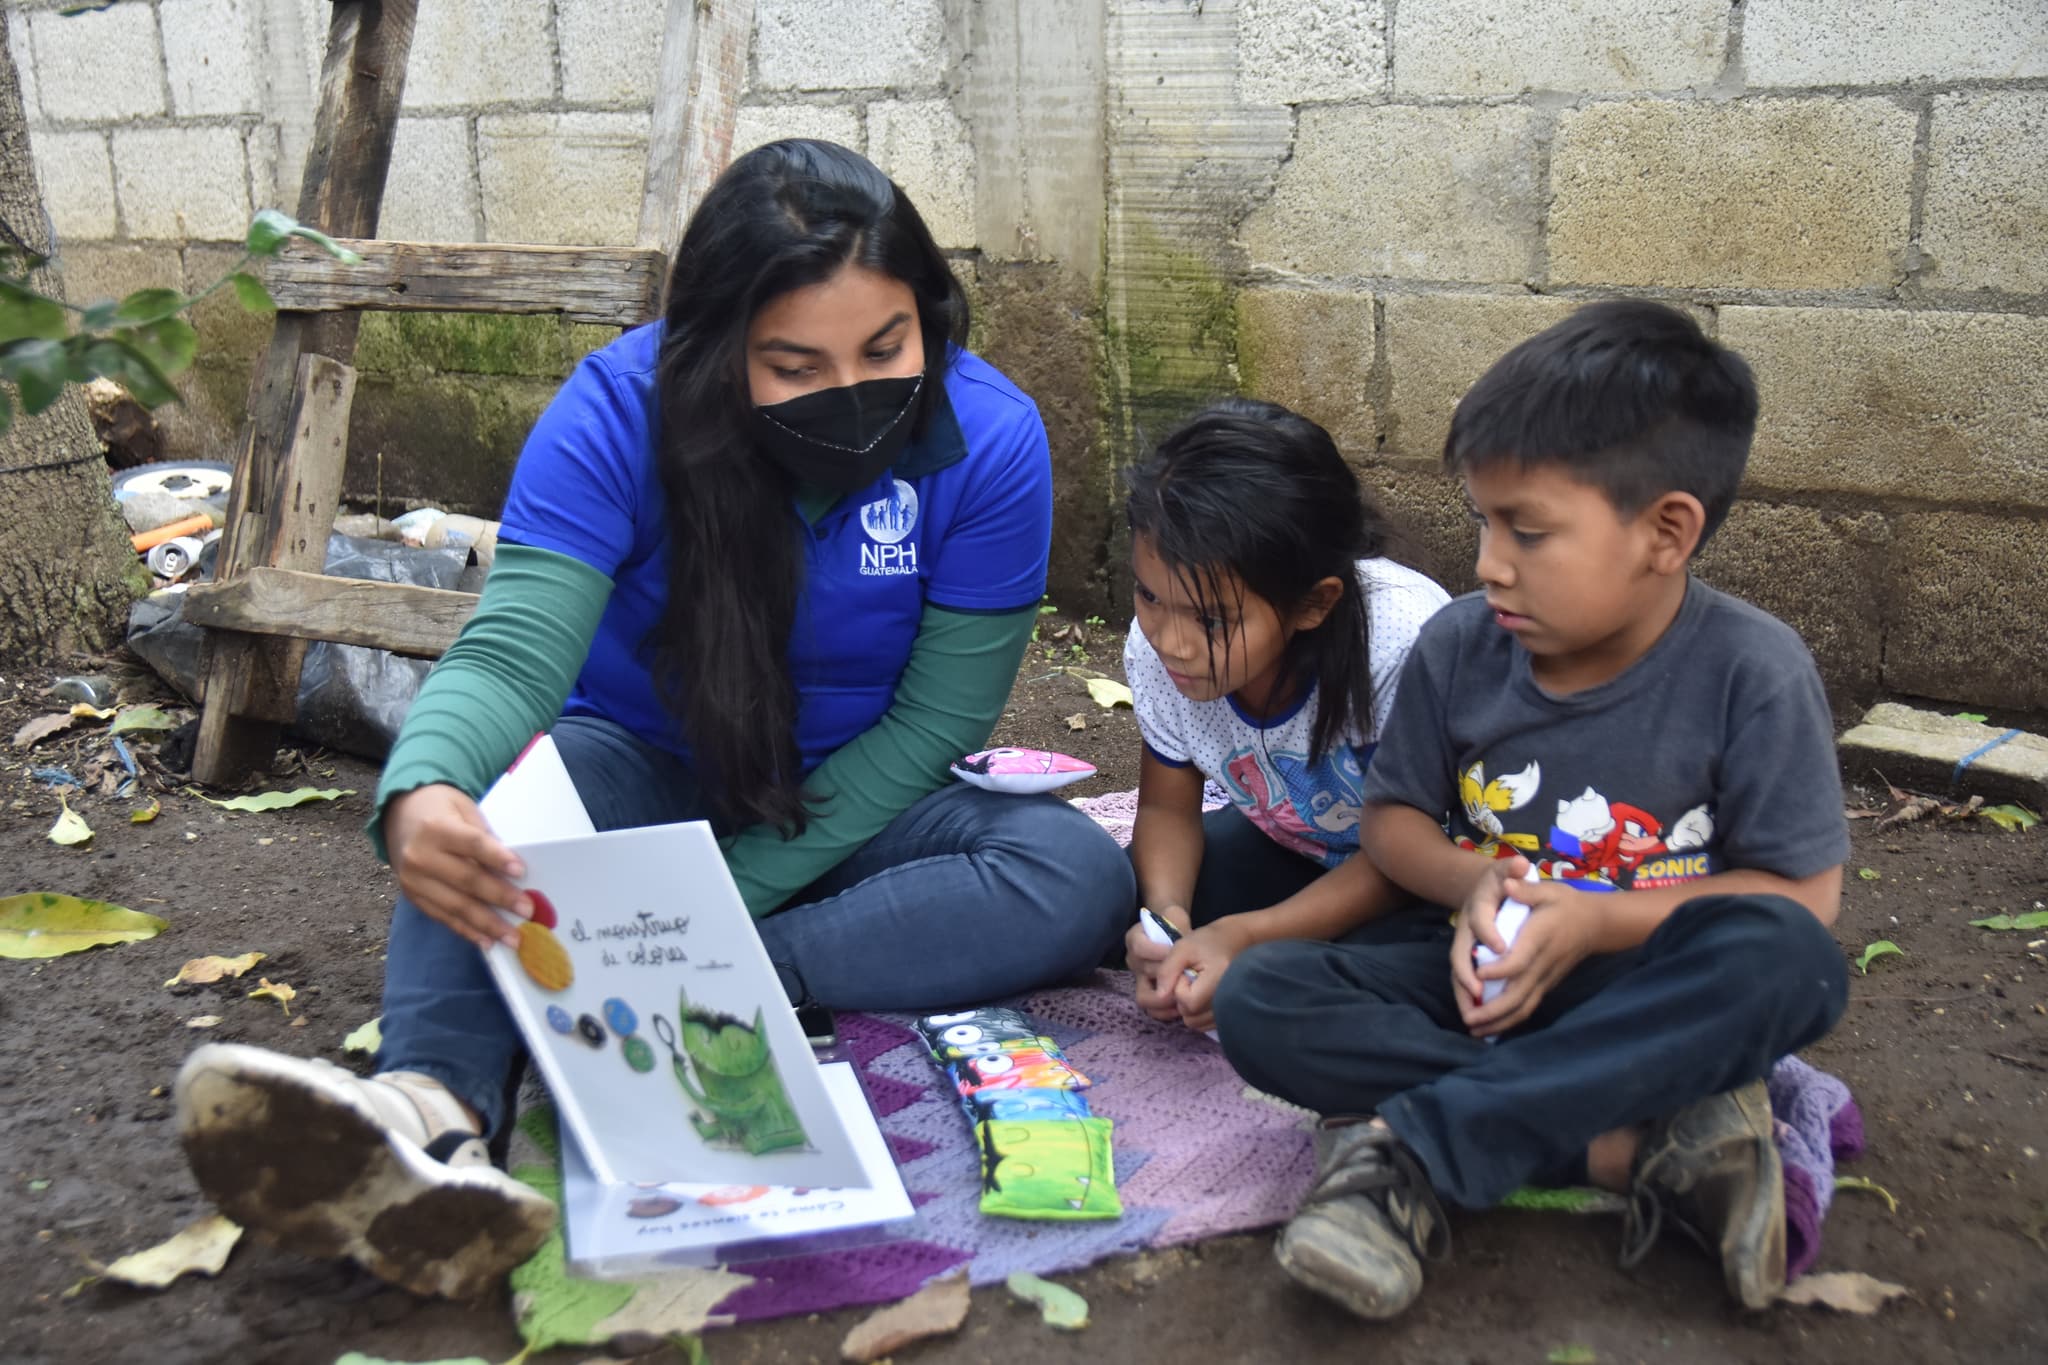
[{"x": 1723, "y": 988}]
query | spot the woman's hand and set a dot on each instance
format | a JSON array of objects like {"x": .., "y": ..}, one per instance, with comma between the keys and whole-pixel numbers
[
  {"x": 1144, "y": 958},
  {"x": 1205, "y": 953},
  {"x": 451, "y": 866}
]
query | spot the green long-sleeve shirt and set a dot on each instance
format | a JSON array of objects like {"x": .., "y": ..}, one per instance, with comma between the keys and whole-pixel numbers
[{"x": 511, "y": 668}]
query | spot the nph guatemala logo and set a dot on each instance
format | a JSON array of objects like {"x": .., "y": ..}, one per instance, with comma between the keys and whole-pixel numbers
[{"x": 887, "y": 521}]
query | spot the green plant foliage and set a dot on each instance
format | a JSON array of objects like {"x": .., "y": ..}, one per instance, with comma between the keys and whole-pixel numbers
[{"x": 1884, "y": 947}]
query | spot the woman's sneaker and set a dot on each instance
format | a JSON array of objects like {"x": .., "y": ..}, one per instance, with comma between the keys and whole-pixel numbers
[
  {"x": 1712, "y": 1170},
  {"x": 388, "y": 1171},
  {"x": 1372, "y": 1219}
]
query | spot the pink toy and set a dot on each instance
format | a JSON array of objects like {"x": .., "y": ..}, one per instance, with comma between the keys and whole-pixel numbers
[{"x": 1021, "y": 771}]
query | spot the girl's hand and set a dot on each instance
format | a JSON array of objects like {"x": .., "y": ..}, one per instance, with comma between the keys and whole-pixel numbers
[
  {"x": 1206, "y": 952},
  {"x": 1475, "y": 922},
  {"x": 1144, "y": 958},
  {"x": 1562, "y": 927},
  {"x": 451, "y": 866}
]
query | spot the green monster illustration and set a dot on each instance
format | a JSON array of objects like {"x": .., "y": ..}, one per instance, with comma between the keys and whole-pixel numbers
[
  {"x": 741, "y": 1100},
  {"x": 1052, "y": 1169}
]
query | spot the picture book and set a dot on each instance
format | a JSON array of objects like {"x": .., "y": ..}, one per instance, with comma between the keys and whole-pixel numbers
[
  {"x": 649, "y": 1004},
  {"x": 622, "y": 1231}
]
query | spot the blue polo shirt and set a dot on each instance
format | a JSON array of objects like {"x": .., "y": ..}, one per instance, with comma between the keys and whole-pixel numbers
[{"x": 963, "y": 521}]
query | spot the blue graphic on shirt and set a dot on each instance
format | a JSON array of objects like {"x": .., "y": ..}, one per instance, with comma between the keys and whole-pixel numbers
[{"x": 1311, "y": 808}]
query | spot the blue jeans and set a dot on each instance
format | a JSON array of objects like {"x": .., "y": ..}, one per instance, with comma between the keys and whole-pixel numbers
[
  {"x": 1722, "y": 989},
  {"x": 966, "y": 897}
]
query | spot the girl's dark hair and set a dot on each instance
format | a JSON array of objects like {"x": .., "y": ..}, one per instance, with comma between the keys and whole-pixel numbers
[
  {"x": 1252, "y": 489},
  {"x": 785, "y": 215}
]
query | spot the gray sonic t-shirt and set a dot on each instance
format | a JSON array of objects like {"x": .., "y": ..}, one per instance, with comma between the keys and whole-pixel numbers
[{"x": 1713, "y": 752}]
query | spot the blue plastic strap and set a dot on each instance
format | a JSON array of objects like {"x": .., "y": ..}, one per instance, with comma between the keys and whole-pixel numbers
[{"x": 1979, "y": 752}]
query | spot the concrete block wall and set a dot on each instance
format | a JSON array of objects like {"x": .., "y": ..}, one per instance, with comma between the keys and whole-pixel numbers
[{"x": 1847, "y": 191}]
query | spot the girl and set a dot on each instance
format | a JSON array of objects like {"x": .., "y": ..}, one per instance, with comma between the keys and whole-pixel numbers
[
  {"x": 770, "y": 562},
  {"x": 1269, "y": 631}
]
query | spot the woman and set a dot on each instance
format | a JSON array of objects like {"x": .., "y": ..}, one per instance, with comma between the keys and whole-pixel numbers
[{"x": 772, "y": 563}]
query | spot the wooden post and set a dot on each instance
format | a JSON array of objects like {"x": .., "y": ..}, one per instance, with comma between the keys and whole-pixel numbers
[
  {"x": 282, "y": 505},
  {"x": 696, "y": 98}
]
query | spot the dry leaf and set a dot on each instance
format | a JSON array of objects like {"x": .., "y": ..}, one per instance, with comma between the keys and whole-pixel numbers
[
  {"x": 1078, "y": 721},
  {"x": 1845, "y": 1291},
  {"x": 934, "y": 1310},
  {"x": 675, "y": 1303},
  {"x": 1905, "y": 809},
  {"x": 70, "y": 828},
  {"x": 85, "y": 710},
  {"x": 1108, "y": 692},
  {"x": 203, "y": 971},
  {"x": 203, "y": 1021},
  {"x": 41, "y": 728},
  {"x": 368, "y": 1038},
  {"x": 266, "y": 989},
  {"x": 202, "y": 1246},
  {"x": 145, "y": 814}
]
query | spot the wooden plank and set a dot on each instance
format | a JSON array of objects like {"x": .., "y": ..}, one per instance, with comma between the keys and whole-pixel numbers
[
  {"x": 619, "y": 286},
  {"x": 351, "y": 611},
  {"x": 251, "y": 683},
  {"x": 696, "y": 99}
]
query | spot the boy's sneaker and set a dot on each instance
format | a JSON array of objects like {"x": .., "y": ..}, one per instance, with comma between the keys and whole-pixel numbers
[
  {"x": 388, "y": 1171},
  {"x": 1363, "y": 1232},
  {"x": 1712, "y": 1169}
]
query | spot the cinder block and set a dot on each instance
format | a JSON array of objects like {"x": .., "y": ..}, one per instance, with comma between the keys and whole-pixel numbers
[
  {"x": 926, "y": 148},
  {"x": 182, "y": 184},
  {"x": 1313, "y": 352},
  {"x": 1926, "y": 751},
  {"x": 21, "y": 45},
  {"x": 97, "y": 271},
  {"x": 1291, "y": 51},
  {"x": 759, "y": 123},
  {"x": 610, "y": 49},
  {"x": 1769, "y": 194},
  {"x": 1946, "y": 406},
  {"x": 78, "y": 183},
  {"x": 1503, "y": 47},
  {"x": 562, "y": 178},
  {"x": 1437, "y": 344},
  {"x": 848, "y": 44},
  {"x": 1986, "y": 214},
  {"x": 478, "y": 55},
  {"x": 1966, "y": 624},
  {"x": 1427, "y": 507},
  {"x": 1871, "y": 42},
  {"x": 229, "y": 334},
  {"x": 103, "y": 64},
  {"x": 1414, "y": 193},
  {"x": 431, "y": 193},
  {"x": 1822, "y": 573},
  {"x": 208, "y": 56}
]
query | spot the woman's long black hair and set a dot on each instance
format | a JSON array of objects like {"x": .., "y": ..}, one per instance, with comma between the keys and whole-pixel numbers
[
  {"x": 1254, "y": 490},
  {"x": 785, "y": 215}
]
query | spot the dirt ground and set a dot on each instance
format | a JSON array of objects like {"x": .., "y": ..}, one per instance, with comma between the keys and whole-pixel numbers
[{"x": 1945, "y": 1047}]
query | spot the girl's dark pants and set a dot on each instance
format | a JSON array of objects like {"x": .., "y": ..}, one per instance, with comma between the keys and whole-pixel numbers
[{"x": 1723, "y": 988}]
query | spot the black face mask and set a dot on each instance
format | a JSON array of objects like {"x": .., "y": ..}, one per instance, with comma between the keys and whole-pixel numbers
[{"x": 839, "y": 439}]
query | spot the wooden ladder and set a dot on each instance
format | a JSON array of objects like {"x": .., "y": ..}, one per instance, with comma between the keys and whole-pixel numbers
[{"x": 269, "y": 598}]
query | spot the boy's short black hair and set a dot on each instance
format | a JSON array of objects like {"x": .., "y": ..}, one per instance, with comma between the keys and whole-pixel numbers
[{"x": 1628, "y": 396}]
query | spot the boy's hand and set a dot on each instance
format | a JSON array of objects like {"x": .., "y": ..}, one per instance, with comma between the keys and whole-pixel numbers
[
  {"x": 1206, "y": 952},
  {"x": 451, "y": 866},
  {"x": 1559, "y": 934},
  {"x": 1144, "y": 958},
  {"x": 1475, "y": 921}
]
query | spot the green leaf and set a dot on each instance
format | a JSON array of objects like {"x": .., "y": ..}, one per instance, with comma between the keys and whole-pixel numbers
[
  {"x": 38, "y": 369},
  {"x": 265, "y": 801},
  {"x": 1058, "y": 1305},
  {"x": 268, "y": 231},
  {"x": 98, "y": 317},
  {"x": 554, "y": 1309},
  {"x": 45, "y": 924},
  {"x": 1884, "y": 947},
  {"x": 26, "y": 314},
  {"x": 6, "y": 412},
  {"x": 170, "y": 343},
  {"x": 1971, "y": 716},
  {"x": 149, "y": 719},
  {"x": 327, "y": 244},
  {"x": 358, "y": 1358},
  {"x": 368, "y": 1038},
  {"x": 1868, "y": 874},
  {"x": 1857, "y": 1182},
  {"x": 2011, "y": 818},
  {"x": 70, "y": 828},
  {"x": 2033, "y": 919},
  {"x": 1571, "y": 1355},
  {"x": 249, "y": 291},
  {"x": 148, "y": 305},
  {"x": 120, "y": 361},
  {"x": 1109, "y": 693}
]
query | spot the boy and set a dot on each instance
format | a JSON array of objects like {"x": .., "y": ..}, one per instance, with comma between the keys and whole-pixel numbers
[{"x": 1646, "y": 763}]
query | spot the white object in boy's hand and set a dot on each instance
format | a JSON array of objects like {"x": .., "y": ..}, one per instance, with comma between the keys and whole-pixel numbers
[{"x": 1507, "y": 922}]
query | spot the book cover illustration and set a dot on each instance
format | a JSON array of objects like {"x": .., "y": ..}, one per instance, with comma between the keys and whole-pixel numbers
[{"x": 649, "y": 1004}]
